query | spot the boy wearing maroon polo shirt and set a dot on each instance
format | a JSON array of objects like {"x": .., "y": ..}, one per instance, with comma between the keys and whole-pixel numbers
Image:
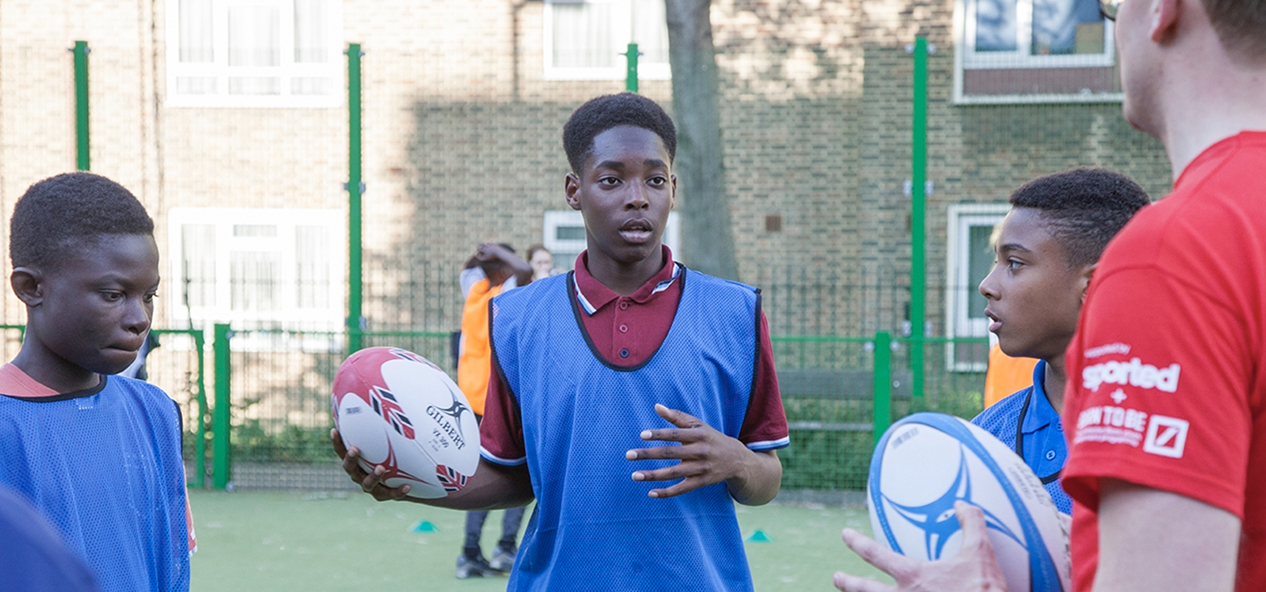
[{"x": 590, "y": 367}]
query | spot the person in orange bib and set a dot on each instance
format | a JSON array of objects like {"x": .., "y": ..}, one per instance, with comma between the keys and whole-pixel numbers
[
  {"x": 1006, "y": 374},
  {"x": 493, "y": 269}
]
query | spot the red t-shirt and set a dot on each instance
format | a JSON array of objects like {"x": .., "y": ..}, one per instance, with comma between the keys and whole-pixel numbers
[
  {"x": 1167, "y": 372},
  {"x": 628, "y": 329}
]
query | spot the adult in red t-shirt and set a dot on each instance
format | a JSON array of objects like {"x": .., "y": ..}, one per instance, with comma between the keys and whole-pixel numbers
[
  {"x": 1166, "y": 402},
  {"x": 1166, "y": 384}
]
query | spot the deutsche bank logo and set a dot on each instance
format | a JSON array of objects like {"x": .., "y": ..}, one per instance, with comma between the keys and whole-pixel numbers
[{"x": 1166, "y": 436}]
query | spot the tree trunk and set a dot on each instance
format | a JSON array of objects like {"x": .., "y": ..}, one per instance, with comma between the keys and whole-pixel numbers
[{"x": 707, "y": 236}]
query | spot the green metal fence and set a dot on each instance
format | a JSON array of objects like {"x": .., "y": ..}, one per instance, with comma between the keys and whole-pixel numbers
[
  {"x": 839, "y": 393},
  {"x": 261, "y": 418}
]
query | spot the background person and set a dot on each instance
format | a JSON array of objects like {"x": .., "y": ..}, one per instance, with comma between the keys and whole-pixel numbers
[
  {"x": 491, "y": 270},
  {"x": 1005, "y": 374},
  {"x": 542, "y": 262},
  {"x": 137, "y": 369}
]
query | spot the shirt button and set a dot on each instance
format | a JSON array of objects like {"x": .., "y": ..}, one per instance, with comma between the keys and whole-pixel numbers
[
  {"x": 624, "y": 306},
  {"x": 624, "y": 353},
  {"x": 1050, "y": 455},
  {"x": 624, "y": 328}
]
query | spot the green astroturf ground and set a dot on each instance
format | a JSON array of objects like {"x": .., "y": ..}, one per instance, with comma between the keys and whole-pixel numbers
[{"x": 297, "y": 542}]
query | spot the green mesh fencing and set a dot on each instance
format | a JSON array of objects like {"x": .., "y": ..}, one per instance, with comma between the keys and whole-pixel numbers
[{"x": 281, "y": 381}]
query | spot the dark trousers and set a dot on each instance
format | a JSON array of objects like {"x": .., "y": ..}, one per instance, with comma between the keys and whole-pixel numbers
[{"x": 475, "y": 525}]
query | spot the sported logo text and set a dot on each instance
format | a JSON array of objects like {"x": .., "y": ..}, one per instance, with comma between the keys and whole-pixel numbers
[{"x": 1134, "y": 372}]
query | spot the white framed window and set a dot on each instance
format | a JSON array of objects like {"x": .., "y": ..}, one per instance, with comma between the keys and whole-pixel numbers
[
  {"x": 564, "y": 236},
  {"x": 254, "y": 53},
  {"x": 1036, "y": 34},
  {"x": 970, "y": 257},
  {"x": 586, "y": 39},
  {"x": 1009, "y": 51},
  {"x": 258, "y": 270}
]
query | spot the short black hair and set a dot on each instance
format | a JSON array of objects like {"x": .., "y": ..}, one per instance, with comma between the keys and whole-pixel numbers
[
  {"x": 600, "y": 114},
  {"x": 69, "y": 211},
  {"x": 1083, "y": 208}
]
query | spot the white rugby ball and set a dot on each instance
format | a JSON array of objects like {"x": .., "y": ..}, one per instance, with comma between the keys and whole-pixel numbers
[
  {"x": 405, "y": 413},
  {"x": 927, "y": 461}
]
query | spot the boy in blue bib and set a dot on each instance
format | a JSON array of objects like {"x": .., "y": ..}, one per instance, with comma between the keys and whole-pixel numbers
[
  {"x": 626, "y": 373},
  {"x": 97, "y": 455}
]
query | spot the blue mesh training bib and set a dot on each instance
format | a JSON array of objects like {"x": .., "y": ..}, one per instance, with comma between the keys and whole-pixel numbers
[
  {"x": 595, "y": 528},
  {"x": 105, "y": 469}
]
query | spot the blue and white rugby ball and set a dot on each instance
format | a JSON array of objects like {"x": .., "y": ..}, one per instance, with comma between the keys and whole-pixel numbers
[{"x": 927, "y": 461}]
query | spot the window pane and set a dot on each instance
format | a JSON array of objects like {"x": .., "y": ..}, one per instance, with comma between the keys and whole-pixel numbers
[
  {"x": 995, "y": 25},
  {"x": 197, "y": 248},
  {"x": 1067, "y": 26},
  {"x": 582, "y": 36},
  {"x": 566, "y": 260},
  {"x": 196, "y": 85},
  {"x": 569, "y": 233},
  {"x": 311, "y": 86},
  {"x": 196, "y": 39},
  {"x": 311, "y": 18},
  {"x": 650, "y": 30},
  {"x": 254, "y": 36},
  {"x": 312, "y": 261},
  {"x": 254, "y": 85},
  {"x": 249, "y": 230},
  {"x": 254, "y": 281},
  {"x": 979, "y": 263}
]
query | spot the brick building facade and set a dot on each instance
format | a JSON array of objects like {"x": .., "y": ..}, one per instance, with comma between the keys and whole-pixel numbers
[{"x": 463, "y": 109}]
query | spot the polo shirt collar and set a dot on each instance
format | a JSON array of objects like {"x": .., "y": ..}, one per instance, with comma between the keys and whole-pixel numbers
[
  {"x": 593, "y": 295},
  {"x": 1040, "y": 412}
]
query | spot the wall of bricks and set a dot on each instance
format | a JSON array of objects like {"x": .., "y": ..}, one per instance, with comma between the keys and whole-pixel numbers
[{"x": 462, "y": 140}]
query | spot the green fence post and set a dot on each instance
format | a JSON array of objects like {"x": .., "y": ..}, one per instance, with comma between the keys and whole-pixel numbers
[
  {"x": 200, "y": 446},
  {"x": 918, "y": 230},
  {"x": 630, "y": 75},
  {"x": 81, "y": 105},
  {"x": 220, "y": 422},
  {"x": 882, "y": 383},
  {"x": 355, "y": 188}
]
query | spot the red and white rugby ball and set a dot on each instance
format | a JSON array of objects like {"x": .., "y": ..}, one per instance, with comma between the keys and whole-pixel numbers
[
  {"x": 927, "y": 461},
  {"x": 405, "y": 413}
]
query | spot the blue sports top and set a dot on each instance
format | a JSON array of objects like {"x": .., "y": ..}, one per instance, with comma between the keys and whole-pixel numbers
[
  {"x": 580, "y": 415},
  {"x": 103, "y": 466},
  {"x": 1043, "y": 445}
]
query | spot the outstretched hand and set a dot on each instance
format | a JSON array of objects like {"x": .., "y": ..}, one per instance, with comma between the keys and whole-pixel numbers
[
  {"x": 974, "y": 568},
  {"x": 370, "y": 482},
  {"x": 707, "y": 456}
]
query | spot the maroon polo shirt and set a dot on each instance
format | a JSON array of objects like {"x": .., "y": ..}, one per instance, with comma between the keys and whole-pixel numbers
[{"x": 627, "y": 330}]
